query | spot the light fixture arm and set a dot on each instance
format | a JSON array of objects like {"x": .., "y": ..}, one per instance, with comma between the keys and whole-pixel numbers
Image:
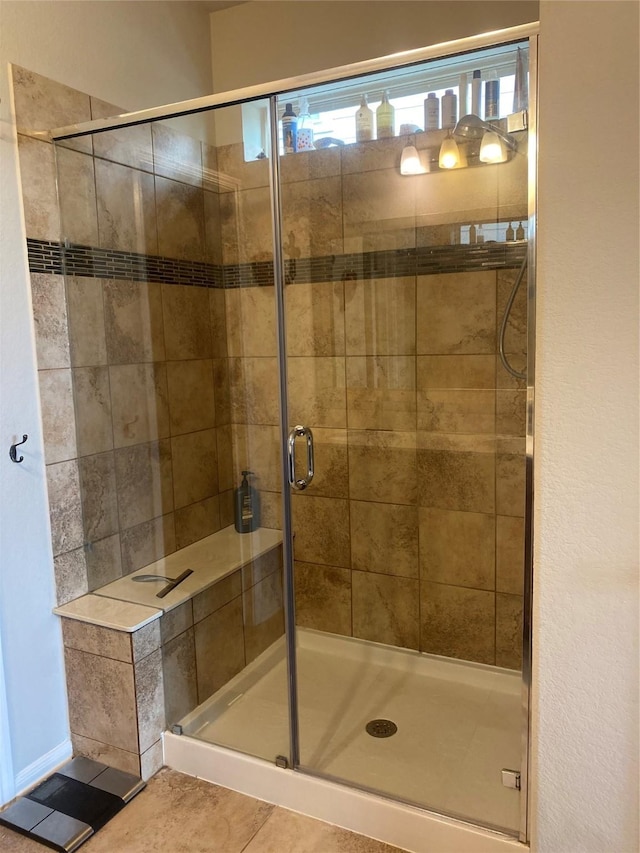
[{"x": 473, "y": 127}]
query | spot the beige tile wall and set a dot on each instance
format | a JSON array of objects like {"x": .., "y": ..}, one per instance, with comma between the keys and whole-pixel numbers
[
  {"x": 132, "y": 375},
  {"x": 211, "y": 638},
  {"x": 115, "y": 685},
  {"x": 413, "y": 535},
  {"x": 413, "y": 531}
]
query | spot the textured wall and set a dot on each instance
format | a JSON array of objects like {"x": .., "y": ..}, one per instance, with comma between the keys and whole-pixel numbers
[{"x": 585, "y": 742}]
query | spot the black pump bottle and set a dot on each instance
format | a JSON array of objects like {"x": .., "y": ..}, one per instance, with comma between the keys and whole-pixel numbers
[{"x": 247, "y": 506}]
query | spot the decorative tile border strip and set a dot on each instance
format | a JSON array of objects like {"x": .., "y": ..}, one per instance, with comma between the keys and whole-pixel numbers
[
  {"x": 91, "y": 262},
  {"x": 50, "y": 257},
  {"x": 44, "y": 256}
]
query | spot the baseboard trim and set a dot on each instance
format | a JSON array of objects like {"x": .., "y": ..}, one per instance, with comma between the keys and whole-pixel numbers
[{"x": 43, "y": 767}]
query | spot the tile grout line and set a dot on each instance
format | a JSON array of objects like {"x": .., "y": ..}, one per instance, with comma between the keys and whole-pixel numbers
[{"x": 262, "y": 825}]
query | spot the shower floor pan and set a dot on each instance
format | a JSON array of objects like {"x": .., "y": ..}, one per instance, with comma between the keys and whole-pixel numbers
[{"x": 458, "y": 724}]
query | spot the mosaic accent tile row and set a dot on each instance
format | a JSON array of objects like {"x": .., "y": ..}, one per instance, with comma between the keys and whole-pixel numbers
[
  {"x": 44, "y": 256},
  {"x": 50, "y": 257},
  {"x": 91, "y": 262}
]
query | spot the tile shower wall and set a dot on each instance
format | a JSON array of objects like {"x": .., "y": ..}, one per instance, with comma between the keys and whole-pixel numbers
[
  {"x": 143, "y": 371},
  {"x": 412, "y": 531},
  {"x": 208, "y": 640},
  {"x": 132, "y": 373}
]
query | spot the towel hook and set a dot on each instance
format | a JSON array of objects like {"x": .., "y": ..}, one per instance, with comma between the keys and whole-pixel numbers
[{"x": 12, "y": 450}]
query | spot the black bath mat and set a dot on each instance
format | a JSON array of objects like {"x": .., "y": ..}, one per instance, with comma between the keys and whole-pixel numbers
[{"x": 68, "y": 807}]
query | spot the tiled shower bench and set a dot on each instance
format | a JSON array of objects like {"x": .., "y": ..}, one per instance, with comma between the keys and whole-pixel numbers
[{"x": 136, "y": 663}]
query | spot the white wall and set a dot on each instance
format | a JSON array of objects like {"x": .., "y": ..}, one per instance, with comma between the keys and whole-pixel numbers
[
  {"x": 586, "y": 539},
  {"x": 271, "y": 39},
  {"x": 137, "y": 54}
]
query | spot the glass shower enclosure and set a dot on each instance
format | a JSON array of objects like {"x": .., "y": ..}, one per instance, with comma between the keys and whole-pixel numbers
[{"x": 351, "y": 322}]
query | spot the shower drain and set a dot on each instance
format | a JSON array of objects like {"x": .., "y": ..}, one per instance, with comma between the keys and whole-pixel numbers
[{"x": 381, "y": 728}]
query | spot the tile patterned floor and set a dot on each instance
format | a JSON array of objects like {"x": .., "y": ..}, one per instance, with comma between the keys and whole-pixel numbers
[{"x": 180, "y": 814}]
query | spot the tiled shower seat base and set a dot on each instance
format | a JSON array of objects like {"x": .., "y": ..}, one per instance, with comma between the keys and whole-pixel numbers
[{"x": 458, "y": 723}]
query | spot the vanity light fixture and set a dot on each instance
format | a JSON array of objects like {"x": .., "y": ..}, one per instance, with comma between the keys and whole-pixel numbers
[
  {"x": 491, "y": 148},
  {"x": 495, "y": 145},
  {"x": 410, "y": 163},
  {"x": 449, "y": 153}
]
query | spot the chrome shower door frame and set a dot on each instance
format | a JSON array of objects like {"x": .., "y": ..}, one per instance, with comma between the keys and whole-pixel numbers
[
  {"x": 287, "y": 527},
  {"x": 279, "y": 275},
  {"x": 527, "y": 625}
]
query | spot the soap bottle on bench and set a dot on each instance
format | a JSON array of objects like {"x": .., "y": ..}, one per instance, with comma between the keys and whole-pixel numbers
[{"x": 247, "y": 506}]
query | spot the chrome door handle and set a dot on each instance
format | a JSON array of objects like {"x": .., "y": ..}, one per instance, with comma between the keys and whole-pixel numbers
[{"x": 300, "y": 484}]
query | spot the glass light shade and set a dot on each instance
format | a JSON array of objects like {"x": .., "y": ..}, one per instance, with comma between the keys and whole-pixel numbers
[
  {"x": 491, "y": 148},
  {"x": 410, "y": 163},
  {"x": 449, "y": 154}
]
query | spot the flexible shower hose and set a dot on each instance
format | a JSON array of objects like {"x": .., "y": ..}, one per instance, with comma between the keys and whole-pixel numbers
[{"x": 505, "y": 318}]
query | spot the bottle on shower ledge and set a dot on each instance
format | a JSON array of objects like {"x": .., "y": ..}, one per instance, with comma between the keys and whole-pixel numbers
[
  {"x": 385, "y": 115},
  {"x": 472, "y": 234},
  {"x": 510, "y": 235},
  {"x": 520, "y": 232},
  {"x": 304, "y": 137},
  {"x": 449, "y": 106},
  {"x": 492, "y": 98},
  {"x": 289, "y": 130},
  {"x": 247, "y": 506},
  {"x": 463, "y": 101},
  {"x": 432, "y": 112},
  {"x": 364, "y": 121},
  {"x": 476, "y": 91}
]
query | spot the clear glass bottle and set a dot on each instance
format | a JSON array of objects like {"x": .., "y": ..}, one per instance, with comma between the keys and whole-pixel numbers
[
  {"x": 364, "y": 122},
  {"x": 385, "y": 115}
]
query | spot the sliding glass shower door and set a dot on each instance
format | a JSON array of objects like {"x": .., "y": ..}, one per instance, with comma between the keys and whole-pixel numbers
[{"x": 409, "y": 536}]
